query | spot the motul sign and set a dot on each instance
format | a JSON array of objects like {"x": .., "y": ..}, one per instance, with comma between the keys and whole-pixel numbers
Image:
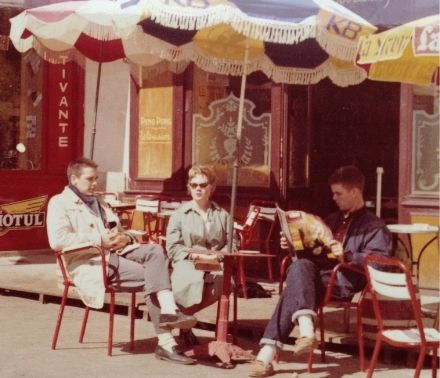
[{"x": 22, "y": 215}]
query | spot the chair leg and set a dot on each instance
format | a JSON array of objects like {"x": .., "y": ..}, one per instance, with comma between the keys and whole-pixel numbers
[
  {"x": 321, "y": 343},
  {"x": 217, "y": 315},
  {"x": 110, "y": 324},
  {"x": 374, "y": 357},
  {"x": 60, "y": 316},
  {"x": 235, "y": 312},
  {"x": 346, "y": 319},
  {"x": 242, "y": 277},
  {"x": 132, "y": 319},
  {"x": 84, "y": 324},
  {"x": 285, "y": 262},
  {"x": 420, "y": 360},
  {"x": 360, "y": 334},
  {"x": 269, "y": 269},
  {"x": 322, "y": 333},
  {"x": 310, "y": 362},
  {"x": 434, "y": 362}
]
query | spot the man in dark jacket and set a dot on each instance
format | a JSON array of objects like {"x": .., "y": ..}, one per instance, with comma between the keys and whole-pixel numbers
[{"x": 357, "y": 232}]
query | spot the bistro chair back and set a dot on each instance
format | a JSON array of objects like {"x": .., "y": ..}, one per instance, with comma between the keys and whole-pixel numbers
[
  {"x": 67, "y": 260},
  {"x": 149, "y": 208},
  {"x": 264, "y": 232},
  {"x": 246, "y": 232},
  {"x": 389, "y": 280}
]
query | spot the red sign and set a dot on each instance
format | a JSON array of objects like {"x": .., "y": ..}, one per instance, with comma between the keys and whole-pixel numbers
[
  {"x": 426, "y": 40},
  {"x": 22, "y": 215},
  {"x": 64, "y": 107}
]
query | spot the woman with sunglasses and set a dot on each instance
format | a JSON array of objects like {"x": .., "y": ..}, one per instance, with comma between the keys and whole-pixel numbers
[{"x": 198, "y": 224}]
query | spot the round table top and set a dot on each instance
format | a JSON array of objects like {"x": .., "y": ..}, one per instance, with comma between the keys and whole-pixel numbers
[{"x": 415, "y": 228}]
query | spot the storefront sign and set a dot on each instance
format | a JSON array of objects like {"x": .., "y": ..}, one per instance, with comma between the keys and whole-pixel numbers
[
  {"x": 425, "y": 172},
  {"x": 155, "y": 132},
  {"x": 427, "y": 40},
  {"x": 63, "y": 107},
  {"x": 22, "y": 215},
  {"x": 385, "y": 46},
  {"x": 64, "y": 104}
]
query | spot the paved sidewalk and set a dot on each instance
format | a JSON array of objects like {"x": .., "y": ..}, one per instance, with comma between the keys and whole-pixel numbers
[{"x": 26, "y": 326}]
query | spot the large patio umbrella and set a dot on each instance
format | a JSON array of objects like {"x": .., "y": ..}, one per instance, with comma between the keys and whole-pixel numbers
[
  {"x": 294, "y": 41},
  {"x": 291, "y": 41},
  {"x": 409, "y": 53}
]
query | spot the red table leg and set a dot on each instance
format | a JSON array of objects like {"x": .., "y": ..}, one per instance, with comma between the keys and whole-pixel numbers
[{"x": 225, "y": 351}]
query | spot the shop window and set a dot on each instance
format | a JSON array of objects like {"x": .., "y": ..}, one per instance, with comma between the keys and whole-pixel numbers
[
  {"x": 20, "y": 103},
  {"x": 425, "y": 148},
  {"x": 214, "y": 127}
]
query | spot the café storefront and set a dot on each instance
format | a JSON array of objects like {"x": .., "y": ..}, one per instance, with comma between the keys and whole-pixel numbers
[{"x": 151, "y": 126}]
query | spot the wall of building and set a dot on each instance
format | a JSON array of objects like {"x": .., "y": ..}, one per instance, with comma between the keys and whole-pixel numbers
[{"x": 112, "y": 121}]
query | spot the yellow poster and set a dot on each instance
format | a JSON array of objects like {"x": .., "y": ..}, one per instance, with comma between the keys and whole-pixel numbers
[{"x": 155, "y": 132}]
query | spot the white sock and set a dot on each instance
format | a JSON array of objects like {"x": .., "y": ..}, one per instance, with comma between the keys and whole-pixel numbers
[
  {"x": 267, "y": 353},
  {"x": 166, "y": 302},
  {"x": 166, "y": 341},
  {"x": 306, "y": 328}
]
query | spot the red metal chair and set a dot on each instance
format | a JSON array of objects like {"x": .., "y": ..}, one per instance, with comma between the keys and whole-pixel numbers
[
  {"x": 261, "y": 240},
  {"x": 356, "y": 303},
  {"x": 329, "y": 301},
  {"x": 246, "y": 233},
  {"x": 389, "y": 280},
  {"x": 67, "y": 283}
]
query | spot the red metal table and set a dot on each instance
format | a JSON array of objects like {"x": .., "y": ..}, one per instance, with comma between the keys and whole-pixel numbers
[{"x": 220, "y": 347}]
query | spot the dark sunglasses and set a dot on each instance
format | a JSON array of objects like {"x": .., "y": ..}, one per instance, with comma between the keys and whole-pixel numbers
[{"x": 202, "y": 185}]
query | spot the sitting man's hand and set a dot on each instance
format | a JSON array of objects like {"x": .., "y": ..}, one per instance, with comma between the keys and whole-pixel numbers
[
  {"x": 283, "y": 241},
  {"x": 337, "y": 249},
  {"x": 114, "y": 240}
]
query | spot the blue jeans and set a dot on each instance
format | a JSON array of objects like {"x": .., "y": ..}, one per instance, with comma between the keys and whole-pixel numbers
[{"x": 305, "y": 288}]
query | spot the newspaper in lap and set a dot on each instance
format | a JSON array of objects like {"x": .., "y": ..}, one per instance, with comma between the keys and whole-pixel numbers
[{"x": 305, "y": 231}]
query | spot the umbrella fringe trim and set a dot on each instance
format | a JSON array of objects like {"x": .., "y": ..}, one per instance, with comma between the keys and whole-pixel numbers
[
  {"x": 336, "y": 46},
  {"x": 291, "y": 75},
  {"x": 189, "y": 20},
  {"x": 58, "y": 57},
  {"x": 260, "y": 29},
  {"x": 341, "y": 77},
  {"x": 275, "y": 33}
]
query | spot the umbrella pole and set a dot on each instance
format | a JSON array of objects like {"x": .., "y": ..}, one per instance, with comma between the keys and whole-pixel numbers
[
  {"x": 98, "y": 85},
  {"x": 235, "y": 167}
]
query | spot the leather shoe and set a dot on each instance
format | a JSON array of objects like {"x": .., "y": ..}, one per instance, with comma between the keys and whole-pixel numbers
[
  {"x": 175, "y": 356},
  {"x": 177, "y": 320}
]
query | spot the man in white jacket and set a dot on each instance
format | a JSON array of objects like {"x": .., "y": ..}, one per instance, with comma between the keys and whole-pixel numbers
[{"x": 77, "y": 217}]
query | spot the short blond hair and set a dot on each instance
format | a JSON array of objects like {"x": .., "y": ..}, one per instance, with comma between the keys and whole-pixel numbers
[{"x": 205, "y": 171}]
